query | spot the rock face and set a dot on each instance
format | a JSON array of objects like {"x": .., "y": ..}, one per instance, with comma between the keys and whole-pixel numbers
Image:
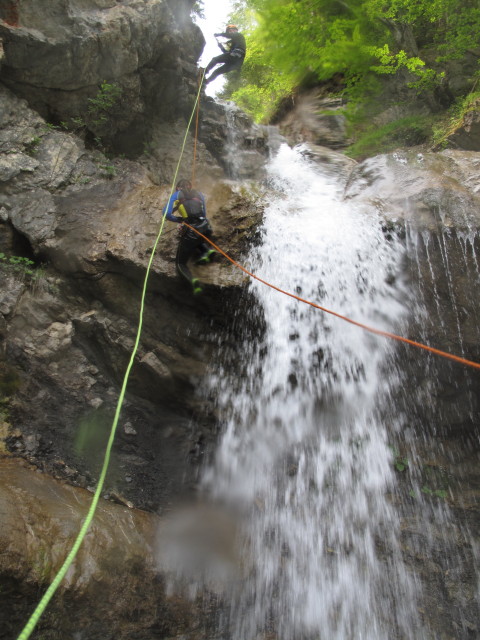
[
  {"x": 467, "y": 135},
  {"x": 314, "y": 118},
  {"x": 120, "y": 74},
  {"x": 429, "y": 190},
  {"x": 82, "y": 81},
  {"x": 92, "y": 223},
  {"x": 58, "y": 55},
  {"x": 432, "y": 200},
  {"x": 113, "y": 586},
  {"x": 67, "y": 329}
]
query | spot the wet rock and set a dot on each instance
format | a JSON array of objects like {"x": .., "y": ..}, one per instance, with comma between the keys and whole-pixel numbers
[
  {"x": 430, "y": 203},
  {"x": 334, "y": 163},
  {"x": 13, "y": 287},
  {"x": 122, "y": 75},
  {"x": 239, "y": 145},
  {"x": 32, "y": 444},
  {"x": 41, "y": 518},
  {"x": 314, "y": 119},
  {"x": 426, "y": 189},
  {"x": 467, "y": 135},
  {"x": 129, "y": 430},
  {"x": 70, "y": 327}
]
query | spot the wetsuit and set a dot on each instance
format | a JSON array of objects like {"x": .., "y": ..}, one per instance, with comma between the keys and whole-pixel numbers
[
  {"x": 232, "y": 57},
  {"x": 191, "y": 206}
]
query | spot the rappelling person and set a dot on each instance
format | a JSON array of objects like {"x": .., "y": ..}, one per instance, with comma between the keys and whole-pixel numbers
[
  {"x": 233, "y": 53},
  {"x": 190, "y": 204}
]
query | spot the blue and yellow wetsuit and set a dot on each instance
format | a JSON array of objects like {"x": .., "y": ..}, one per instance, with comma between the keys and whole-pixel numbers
[
  {"x": 190, "y": 242},
  {"x": 174, "y": 205}
]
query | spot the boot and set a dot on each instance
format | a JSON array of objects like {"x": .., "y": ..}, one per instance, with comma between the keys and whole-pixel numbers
[
  {"x": 207, "y": 257},
  {"x": 197, "y": 289}
]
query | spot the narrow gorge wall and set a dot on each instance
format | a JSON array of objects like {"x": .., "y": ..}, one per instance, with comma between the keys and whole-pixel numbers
[{"x": 81, "y": 190}]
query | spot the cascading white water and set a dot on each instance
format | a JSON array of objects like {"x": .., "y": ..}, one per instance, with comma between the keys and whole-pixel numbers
[{"x": 305, "y": 458}]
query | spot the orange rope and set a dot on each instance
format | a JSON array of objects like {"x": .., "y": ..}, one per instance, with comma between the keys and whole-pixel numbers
[{"x": 378, "y": 332}]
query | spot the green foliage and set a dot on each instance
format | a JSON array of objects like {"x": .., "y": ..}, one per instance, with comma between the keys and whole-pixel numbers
[
  {"x": 17, "y": 264},
  {"x": 399, "y": 462},
  {"x": 390, "y": 63},
  {"x": 434, "y": 481},
  {"x": 261, "y": 84},
  {"x": 454, "y": 118},
  {"x": 428, "y": 79},
  {"x": 100, "y": 106},
  {"x": 24, "y": 269},
  {"x": 48, "y": 127},
  {"x": 99, "y": 111},
  {"x": 289, "y": 40},
  {"x": 407, "y": 131},
  {"x": 108, "y": 170},
  {"x": 75, "y": 124},
  {"x": 148, "y": 147},
  {"x": 31, "y": 147},
  {"x": 437, "y": 493},
  {"x": 198, "y": 9},
  {"x": 260, "y": 88}
]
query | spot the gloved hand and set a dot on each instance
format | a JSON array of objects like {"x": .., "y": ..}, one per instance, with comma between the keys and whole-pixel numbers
[{"x": 217, "y": 35}]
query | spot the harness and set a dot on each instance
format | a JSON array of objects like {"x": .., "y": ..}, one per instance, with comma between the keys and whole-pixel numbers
[
  {"x": 191, "y": 206},
  {"x": 237, "y": 53}
]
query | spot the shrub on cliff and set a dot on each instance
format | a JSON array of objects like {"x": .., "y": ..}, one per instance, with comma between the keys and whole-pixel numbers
[{"x": 360, "y": 39}]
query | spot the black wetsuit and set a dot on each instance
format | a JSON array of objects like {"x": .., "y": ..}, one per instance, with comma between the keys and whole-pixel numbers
[
  {"x": 191, "y": 206},
  {"x": 232, "y": 58}
]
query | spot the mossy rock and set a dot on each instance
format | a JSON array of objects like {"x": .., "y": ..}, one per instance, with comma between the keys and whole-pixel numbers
[{"x": 9, "y": 381}]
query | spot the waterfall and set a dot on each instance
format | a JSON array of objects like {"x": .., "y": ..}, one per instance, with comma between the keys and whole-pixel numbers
[
  {"x": 304, "y": 459},
  {"x": 246, "y": 144},
  {"x": 306, "y": 527}
]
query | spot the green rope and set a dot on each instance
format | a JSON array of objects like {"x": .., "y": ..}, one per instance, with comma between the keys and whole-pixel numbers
[{"x": 32, "y": 622}]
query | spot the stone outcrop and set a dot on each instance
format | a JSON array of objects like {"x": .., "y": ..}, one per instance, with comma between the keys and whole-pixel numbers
[
  {"x": 429, "y": 190},
  {"x": 467, "y": 134},
  {"x": 57, "y": 56},
  {"x": 113, "y": 587},
  {"x": 122, "y": 75},
  {"x": 315, "y": 118},
  {"x": 68, "y": 326},
  {"x": 432, "y": 202}
]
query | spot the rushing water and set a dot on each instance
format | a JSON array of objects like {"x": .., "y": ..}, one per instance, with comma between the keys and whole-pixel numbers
[
  {"x": 303, "y": 534},
  {"x": 305, "y": 459}
]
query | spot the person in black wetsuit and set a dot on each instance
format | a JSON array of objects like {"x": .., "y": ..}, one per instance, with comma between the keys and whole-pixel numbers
[
  {"x": 233, "y": 53},
  {"x": 190, "y": 204}
]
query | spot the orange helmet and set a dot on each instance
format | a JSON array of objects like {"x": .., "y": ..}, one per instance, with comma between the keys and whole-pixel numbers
[{"x": 231, "y": 27}]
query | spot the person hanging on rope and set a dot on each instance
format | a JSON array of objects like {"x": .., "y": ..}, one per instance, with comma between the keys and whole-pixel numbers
[
  {"x": 190, "y": 204},
  {"x": 233, "y": 53}
]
